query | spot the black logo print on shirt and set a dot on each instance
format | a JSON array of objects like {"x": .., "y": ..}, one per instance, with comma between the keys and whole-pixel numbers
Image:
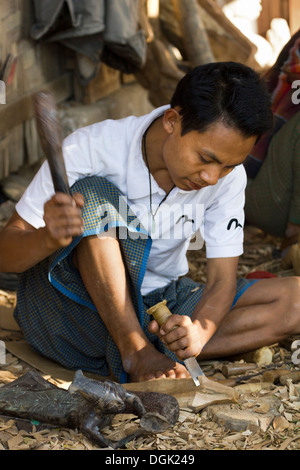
[
  {"x": 186, "y": 219},
  {"x": 234, "y": 221}
]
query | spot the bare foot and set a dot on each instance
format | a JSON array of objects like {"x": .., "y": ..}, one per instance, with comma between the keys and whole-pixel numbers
[{"x": 149, "y": 364}]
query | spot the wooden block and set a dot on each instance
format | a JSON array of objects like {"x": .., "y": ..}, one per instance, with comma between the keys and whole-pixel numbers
[
  {"x": 7, "y": 8},
  {"x": 7, "y": 306},
  {"x": 6, "y": 377},
  {"x": 4, "y": 157},
  {"x": 261, "y": 356},
  {"x": 3, "y": 37},
  {"x": 226, "y": 41},
  {"x": 106, "y": 82},
  {"x": 237, "y": 368},
  {"x": 128, "y": 78},
  {"x": 235, "y": 418},
  {"x": 16, "y": 148},
  {"x": 14, "y": 20},
  {"x": 28, "y": 57},
  {"x": 32, "y": 142}
]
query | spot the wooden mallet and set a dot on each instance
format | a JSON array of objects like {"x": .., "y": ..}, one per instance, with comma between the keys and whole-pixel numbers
[{"x": 51, "y": 137}]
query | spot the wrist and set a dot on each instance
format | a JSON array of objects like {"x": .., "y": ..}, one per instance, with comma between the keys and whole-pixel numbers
[
  {"x": 48, "y": 243},
  {"x": 206, "y": 333}
]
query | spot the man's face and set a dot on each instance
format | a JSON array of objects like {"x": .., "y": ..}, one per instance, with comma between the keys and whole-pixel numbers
[{"x": 197, "y": 160}]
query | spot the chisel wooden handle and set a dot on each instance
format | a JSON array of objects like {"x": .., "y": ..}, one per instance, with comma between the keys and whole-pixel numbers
[
  {"x": 160, "y": 312},
  {"x": 50, "y": 133}
]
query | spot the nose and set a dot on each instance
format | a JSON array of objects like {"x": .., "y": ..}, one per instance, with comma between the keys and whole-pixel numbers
[{"x": 210, "y": 175}]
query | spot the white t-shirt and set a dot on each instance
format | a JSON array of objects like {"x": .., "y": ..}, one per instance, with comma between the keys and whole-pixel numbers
[{"x": 113, "y": 149}]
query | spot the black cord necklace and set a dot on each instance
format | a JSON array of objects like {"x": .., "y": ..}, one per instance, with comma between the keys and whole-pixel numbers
[{"x": 150, "y": 185}]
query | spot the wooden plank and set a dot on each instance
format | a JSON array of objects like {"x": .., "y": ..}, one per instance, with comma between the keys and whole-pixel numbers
[
  {"x": 107, "y": 81},
  {"x": 4, "y": 156},
  {"x": 21, "y": 109},
  {"x": 271, "y": 9},
  {"x": 195, "y": 39},
  {"x": 294, "y": 14},
  {"x": 16, "y": 148},
  {"x": 7, "y": 321},
  {"x": 7, "y": 306},
  {"x": 7, "y": 8},
  {"x": 217, "y": 14}
]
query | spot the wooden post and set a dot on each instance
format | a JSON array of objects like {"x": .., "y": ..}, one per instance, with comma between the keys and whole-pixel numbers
[
  {"x": 160, "y": 74},
  {"x": 195, "y": 39},
  {"x": 294, "y": 14}
]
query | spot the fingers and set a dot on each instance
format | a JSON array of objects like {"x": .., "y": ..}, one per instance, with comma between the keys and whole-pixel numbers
[
  {"x": 79, "y": 200},
  {"x": 176, "y": 372},
  {"x": 63, "y": 221},
  {"x": 180, "y": 335},
  {"x": 153, "y": 327},
  {"x": 66, "y": 199},
  {"x": 161, "y": 374}
]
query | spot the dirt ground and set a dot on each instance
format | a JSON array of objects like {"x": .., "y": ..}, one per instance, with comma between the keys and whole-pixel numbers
[{"x": 266, "y": 417}]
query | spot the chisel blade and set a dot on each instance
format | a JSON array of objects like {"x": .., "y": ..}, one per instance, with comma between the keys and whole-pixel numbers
[{"x": 194, "y": 369}]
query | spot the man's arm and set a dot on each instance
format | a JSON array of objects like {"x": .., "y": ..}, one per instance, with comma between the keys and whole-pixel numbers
[
  {"x": 22, "y": 246},
  {"x": 191, "y": 334},
  {"x": 217, "y": 297}
]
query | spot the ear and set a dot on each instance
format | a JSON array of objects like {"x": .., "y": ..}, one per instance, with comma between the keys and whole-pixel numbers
[{"x": 171, "y": 120}]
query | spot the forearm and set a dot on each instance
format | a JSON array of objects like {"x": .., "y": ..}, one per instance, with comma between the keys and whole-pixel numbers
[
  {"x": 22, "y": 249},
  {"x": 192, "y": 333},
  {"x": 186, "y": 336},
  {"x": 104, "y": 275},
  {"x": 22, "y": 246},
  {"x": 214, "y": 305}
]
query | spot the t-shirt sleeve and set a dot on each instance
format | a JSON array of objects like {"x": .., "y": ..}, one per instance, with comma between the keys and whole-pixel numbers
[
  {"x": 224, "y": 218},
  {"x": 31, "y": 205},
  {"x": 78, "y": 162}
]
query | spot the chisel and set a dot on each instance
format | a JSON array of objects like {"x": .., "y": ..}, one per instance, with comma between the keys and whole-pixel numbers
[{"x": 161, "y": 313}]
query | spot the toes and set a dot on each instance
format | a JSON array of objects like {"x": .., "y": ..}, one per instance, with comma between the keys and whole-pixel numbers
[
  {"x": 182, "y": 373},
  {"x": 171, "y": 374},
  {"x": 147, "y": 377},
  {"x": 160, "y": 374}
]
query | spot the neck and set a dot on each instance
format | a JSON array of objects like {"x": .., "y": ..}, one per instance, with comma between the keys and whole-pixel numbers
[{"x": 153, "y": 140}]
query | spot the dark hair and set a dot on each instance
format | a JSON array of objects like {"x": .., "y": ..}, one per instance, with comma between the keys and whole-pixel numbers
[{"x": 229, "y": 92}]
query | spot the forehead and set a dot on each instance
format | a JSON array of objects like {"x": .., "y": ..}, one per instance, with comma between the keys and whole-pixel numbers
[{"x": 222, "y": 143}]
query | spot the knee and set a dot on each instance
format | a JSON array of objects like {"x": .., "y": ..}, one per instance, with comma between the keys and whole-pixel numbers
[
  {"x": 289, "y": 318},
  {"x": 94, "y": 246}
]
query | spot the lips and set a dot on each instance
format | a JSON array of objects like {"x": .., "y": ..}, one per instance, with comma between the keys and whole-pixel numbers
[{"x": 195, "y": 186}]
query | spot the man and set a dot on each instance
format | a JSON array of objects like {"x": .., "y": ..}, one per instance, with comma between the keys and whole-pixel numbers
[
  {"x": 273, "y": 196},
  {"x": 272, "y": 193},
  {"x": 91, "y": 266}
]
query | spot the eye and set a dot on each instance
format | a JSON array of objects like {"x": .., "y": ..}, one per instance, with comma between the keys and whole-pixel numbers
[{"x": 204, "y": 159}]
